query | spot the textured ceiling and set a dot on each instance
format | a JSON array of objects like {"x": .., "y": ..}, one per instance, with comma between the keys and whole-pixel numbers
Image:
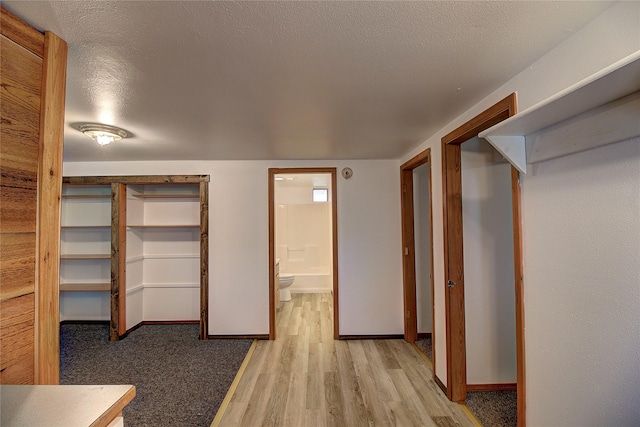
[{"x": 288, "y": 80}]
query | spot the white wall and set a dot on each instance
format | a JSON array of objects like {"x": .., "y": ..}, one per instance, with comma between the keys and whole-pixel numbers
[
  {"x": 422, "y": 247},
  {"x": 488, "y": 265},
  {"x": 610, "y": 37},
  {"x": 369, "y": 240},
  {"x": 582, "y": 287}
]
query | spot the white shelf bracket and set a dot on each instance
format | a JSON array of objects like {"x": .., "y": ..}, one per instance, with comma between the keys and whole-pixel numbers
[{"x": 512, "y": 148}]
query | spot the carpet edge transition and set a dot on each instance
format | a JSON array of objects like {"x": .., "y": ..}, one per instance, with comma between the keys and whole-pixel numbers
[{"x": 232, "y": 388}]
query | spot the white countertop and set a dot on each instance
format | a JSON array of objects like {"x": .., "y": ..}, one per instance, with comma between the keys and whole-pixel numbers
[{"x": 62, "y": 405}]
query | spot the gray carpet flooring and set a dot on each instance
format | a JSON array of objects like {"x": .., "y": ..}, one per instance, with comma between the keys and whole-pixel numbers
[
  {"x": 493, "y": 409},
  {"x": 180, "y": 380},
  {"x": 424, "y": 344}
]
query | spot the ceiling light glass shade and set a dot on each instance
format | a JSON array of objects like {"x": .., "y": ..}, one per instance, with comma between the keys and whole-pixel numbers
[{"x": 103, "y": 134}]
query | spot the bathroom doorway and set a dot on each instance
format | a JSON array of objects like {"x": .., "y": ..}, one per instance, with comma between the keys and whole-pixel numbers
[{"x": 302, "y": 239}]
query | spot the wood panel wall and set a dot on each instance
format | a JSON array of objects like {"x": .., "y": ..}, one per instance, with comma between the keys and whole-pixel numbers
[{"x": 32, "y": 77}]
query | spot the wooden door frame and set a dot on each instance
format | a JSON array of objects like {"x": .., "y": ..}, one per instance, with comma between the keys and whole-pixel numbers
[
  {"x": 408, "y": 245},
  {"x": 454, "y": 261},
  {"x": 272, "y": 241}
]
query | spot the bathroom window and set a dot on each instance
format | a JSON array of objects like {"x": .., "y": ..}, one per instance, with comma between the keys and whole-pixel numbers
[{"x": 320, "y": 195}]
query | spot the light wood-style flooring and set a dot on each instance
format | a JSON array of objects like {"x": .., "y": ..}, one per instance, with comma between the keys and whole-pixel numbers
[{"x": 306, "y": 378}]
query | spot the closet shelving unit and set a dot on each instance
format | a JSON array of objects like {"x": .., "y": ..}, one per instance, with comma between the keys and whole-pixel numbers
[
  {"x": 85, "y": 252},
  {"x": 154, "y": 243},
  {"x": 163, "y": 253}
]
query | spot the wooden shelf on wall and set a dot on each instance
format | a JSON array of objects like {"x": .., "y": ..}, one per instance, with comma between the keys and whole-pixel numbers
[{"x": 599, "y": 110}]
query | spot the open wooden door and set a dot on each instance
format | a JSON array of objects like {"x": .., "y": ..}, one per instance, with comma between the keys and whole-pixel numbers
[
  {"x": 33, "y": 77},
  {"x": 454, "y": 273}
]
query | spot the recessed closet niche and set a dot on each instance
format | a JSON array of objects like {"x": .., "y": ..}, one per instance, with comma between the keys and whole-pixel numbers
[
  {"x": 135, "y": 251},
  {"x": 163, "y": 253}
]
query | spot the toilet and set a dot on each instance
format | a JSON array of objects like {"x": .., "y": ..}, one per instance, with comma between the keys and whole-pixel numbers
[{"x": 286, "y": 280}]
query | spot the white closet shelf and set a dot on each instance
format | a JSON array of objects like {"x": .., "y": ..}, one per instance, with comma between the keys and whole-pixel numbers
[
  {"x": 171, "y": 256},
  {"x": 85, "y": 287},
  {"x": 599, "y": 110},
  {"x": 86, "y": 196},
  {"x": 85, "y": 226},
  {"x": 85, "y": 256},
  {"x": 168, "y": 196},
  {"x": 163, "y": 256},
  {"x": 164, "y": 226},
  {"x": 171, "y": 285},
  {"x": 141, "y": 286}
]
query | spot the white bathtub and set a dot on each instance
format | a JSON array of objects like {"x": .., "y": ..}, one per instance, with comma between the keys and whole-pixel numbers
[{"x": 310, "y": 283}]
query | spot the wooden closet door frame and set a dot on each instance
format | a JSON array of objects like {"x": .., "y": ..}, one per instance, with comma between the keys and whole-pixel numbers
[
  {"x": 454, "y": 257},
  {"x": 408, "y": 245}
]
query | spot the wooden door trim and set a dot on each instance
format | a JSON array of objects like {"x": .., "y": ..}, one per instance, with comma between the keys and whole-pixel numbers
[
  {"x": 518, "y": 261},
  {"x": 454, "y": 319},
  {"x": 498, "y": 112},
  {"x": 204, "y": 260},
  {"x": 118, "y": 300},
  {"x": 23, "y": 34},
  {"x": 408, "y": 256},
  {"x": 408, "y": 241},
  {"x": 456, "y": 351},
  {"x": 135, "y": 179},
  {"x": 272, "y": 255},
  {"x": 334, "y": 241}
]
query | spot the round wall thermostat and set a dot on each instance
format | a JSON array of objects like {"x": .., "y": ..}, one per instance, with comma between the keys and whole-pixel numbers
[{"x": 347, "y": 173}]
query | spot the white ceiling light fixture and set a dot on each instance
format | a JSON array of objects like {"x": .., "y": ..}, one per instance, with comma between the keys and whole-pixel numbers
[{"x": 103, "y": 134}]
